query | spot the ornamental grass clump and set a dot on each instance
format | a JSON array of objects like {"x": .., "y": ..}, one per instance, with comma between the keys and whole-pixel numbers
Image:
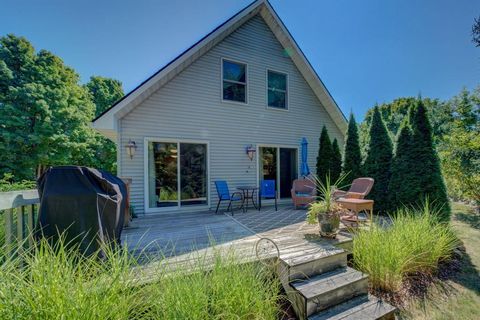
[
  {"x": 57, "y": 282},
  {"x": 413, "y": 245}
]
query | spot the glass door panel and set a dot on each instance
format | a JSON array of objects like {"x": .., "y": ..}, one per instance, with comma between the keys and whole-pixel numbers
[
  {"x": 268, "y": 163},
  {"x": 288, "y": 170},
  {"x": 162, "y": 174},
  {"x": 193, "y": 173}
]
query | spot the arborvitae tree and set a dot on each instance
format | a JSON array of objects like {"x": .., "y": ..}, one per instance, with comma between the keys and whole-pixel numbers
[
  {"x": 324, "y": 158},
  {"x": 336, "y": 163},
  {"x": 403, "y": 187},
  {"x": 352, "y": 158},
  {"x": 378, "y": 162},
  {"x": 427, "y": 164}
]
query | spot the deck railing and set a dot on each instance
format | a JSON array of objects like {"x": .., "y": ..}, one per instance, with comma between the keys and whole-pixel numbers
[{"x": 18, "y": 210}]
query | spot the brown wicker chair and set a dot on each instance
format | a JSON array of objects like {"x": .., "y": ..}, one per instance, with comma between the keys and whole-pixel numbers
[
  {"x": 303, "y": 192},
  {"x": 359, "y": 189}
]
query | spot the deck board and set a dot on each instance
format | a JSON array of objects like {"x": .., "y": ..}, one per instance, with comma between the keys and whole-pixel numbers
[{"x": 181, "y": 238}]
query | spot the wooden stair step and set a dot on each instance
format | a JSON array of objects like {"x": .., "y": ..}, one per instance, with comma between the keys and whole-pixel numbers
[
  {"x": 330, "y": 288},
  {"x": 363, "y": 307},
  {"x": 304, "y": 264}
]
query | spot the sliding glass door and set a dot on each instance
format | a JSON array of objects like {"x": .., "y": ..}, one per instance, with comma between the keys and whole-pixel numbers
[
  {"x": 279, "y": 164},
  {"x": 177, "y": 174}
]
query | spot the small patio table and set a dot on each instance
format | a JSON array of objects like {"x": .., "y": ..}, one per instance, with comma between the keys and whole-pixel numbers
[
  {"x": 356, "y": 206},
  {"x": 248, "y": 194}
]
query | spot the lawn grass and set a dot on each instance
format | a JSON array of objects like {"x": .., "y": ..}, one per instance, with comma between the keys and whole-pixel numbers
[{"x": 458, "y": 297}]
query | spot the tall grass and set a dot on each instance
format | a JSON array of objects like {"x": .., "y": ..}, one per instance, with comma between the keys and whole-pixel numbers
[
  {"x": 59, "y": 283},
  {"x": 415, "y": 243}
]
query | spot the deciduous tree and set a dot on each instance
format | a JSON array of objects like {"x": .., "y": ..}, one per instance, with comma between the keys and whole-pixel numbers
[{"x": 44, "y": 112}]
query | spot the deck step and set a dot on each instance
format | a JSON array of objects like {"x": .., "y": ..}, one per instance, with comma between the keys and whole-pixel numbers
[
  {"x": 328, "y": 289},
  {"x": 364, "y": 307},
  {"x": 304, "y": 264}
]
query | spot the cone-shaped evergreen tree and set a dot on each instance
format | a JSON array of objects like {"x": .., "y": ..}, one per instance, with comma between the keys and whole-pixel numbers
[
  {"x": 378, "y": 162},
  {"x": 427, "y": 164},
  {"x": 324, "y": 157},
  {"x": 404, "y": 186},
  {"x": 336, "y": 163},
  {"x": 352, "y": 158}
]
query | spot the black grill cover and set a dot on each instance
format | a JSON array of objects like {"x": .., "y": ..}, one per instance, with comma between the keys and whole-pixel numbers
[{"x": 85, "y": 204}]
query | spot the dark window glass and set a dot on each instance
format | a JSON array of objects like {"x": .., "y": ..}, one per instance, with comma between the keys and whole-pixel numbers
[
  {"x": 276, "y": 99},
  {"x": 234, "y": 81},
  {"x": 277, "y": 90},
  {"x": 234, "y": 71},
  {"x": 193, "y": 173},
  {"x": 233, "y": 91},
  {"x": 162, "y": 163}
]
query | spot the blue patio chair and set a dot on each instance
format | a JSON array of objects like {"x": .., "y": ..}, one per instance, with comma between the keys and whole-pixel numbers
[
  {"x": 224, "y": 194},
  {"x": 267, "y": 191}
]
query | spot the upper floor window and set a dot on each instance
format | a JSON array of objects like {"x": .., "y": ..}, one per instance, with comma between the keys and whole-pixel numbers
[
  {"x": 234, "y": 81},
  {"x": 277, "y": 89}
]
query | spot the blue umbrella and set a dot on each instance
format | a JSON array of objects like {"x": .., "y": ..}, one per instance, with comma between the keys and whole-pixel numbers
[{"x": 305, "y": 168}]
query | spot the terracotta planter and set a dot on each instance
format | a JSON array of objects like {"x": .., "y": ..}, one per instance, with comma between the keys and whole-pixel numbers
[{"x": 329, "y": 224}]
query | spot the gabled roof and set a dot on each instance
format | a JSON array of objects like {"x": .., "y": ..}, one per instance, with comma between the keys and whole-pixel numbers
[{"x": 106, "y": 123}]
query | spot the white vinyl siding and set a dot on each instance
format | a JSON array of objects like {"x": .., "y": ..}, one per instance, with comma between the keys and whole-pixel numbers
[{"x": 190, "y": 107}]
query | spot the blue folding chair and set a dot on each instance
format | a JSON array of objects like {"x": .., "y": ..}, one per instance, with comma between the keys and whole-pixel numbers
[
  {"x": 224, "y": 194},
  {"x": 267, "y": 191}
]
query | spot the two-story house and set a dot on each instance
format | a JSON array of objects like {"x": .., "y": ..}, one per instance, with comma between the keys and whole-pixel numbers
[{"x": 234, "y": 106}]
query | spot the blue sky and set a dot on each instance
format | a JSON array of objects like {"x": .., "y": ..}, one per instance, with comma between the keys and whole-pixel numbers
[{"x": 364, "y": 51}]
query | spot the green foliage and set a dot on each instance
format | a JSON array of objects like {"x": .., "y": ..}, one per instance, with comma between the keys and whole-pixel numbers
[
  {"x": 403, "y": 186},
  {"x": 325, "y": 153},
  {"x": 105, "y": 92},
  {"x": 415, "y": 243},
  {"x": 459, "y": 150},
  {"x": 45, "y": 113},
  {"x": 454, "y": 126},
  {"x": 394, "y": 113},
  {"x": 7, "y": 183},
  {"x": 352, "y": 158},
  {"x": 60, "y": 283},
  {"x": 378, "y": 162},
  {"x": 336, "y": 163},
  {"x": 325, "y": 190},
  {"x": 426, "y": 164}
]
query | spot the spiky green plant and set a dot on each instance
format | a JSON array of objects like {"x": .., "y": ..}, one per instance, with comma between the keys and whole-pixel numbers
[
  {"x": 413, "y": 244},
  {"x": 57, "y": 282}
]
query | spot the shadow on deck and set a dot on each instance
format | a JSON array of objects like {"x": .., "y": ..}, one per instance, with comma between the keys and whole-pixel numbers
[{"x": 174, "y": 234}]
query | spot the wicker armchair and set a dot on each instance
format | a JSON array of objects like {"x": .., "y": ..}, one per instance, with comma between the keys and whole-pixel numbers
[{"x": 303, "y": 192}]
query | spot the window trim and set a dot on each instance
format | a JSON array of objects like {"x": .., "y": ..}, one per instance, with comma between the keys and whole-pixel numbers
[
  {"x": 233, "y": 81},
  {"x": 287, "y": 100},
  {"x": 146, "y": 193}
]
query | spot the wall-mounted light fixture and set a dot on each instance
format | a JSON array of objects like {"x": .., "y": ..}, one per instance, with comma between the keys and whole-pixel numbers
[
  {"x": 131, "y": 147},
  {"x": 250, "y": 151}
]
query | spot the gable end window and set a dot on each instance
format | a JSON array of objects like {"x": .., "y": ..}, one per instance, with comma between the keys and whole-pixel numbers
[
  {"x": 234, "y": 81},
  {"x": 277, "y": 90}
]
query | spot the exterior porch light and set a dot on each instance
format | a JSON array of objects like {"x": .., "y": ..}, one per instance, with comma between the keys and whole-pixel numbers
[
  {"x": 250, "y": 151},
  {"x": 131, "y": 147}
]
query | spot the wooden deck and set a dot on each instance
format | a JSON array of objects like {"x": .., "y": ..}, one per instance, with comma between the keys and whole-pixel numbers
[{"x": 180, "y": 237}]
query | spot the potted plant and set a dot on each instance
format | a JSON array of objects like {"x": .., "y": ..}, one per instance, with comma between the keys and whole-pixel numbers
[{"x": 326, "y": 212}]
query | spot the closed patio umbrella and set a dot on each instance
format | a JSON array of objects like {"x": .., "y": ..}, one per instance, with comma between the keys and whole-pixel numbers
[{"x": 305, "y": 168}]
